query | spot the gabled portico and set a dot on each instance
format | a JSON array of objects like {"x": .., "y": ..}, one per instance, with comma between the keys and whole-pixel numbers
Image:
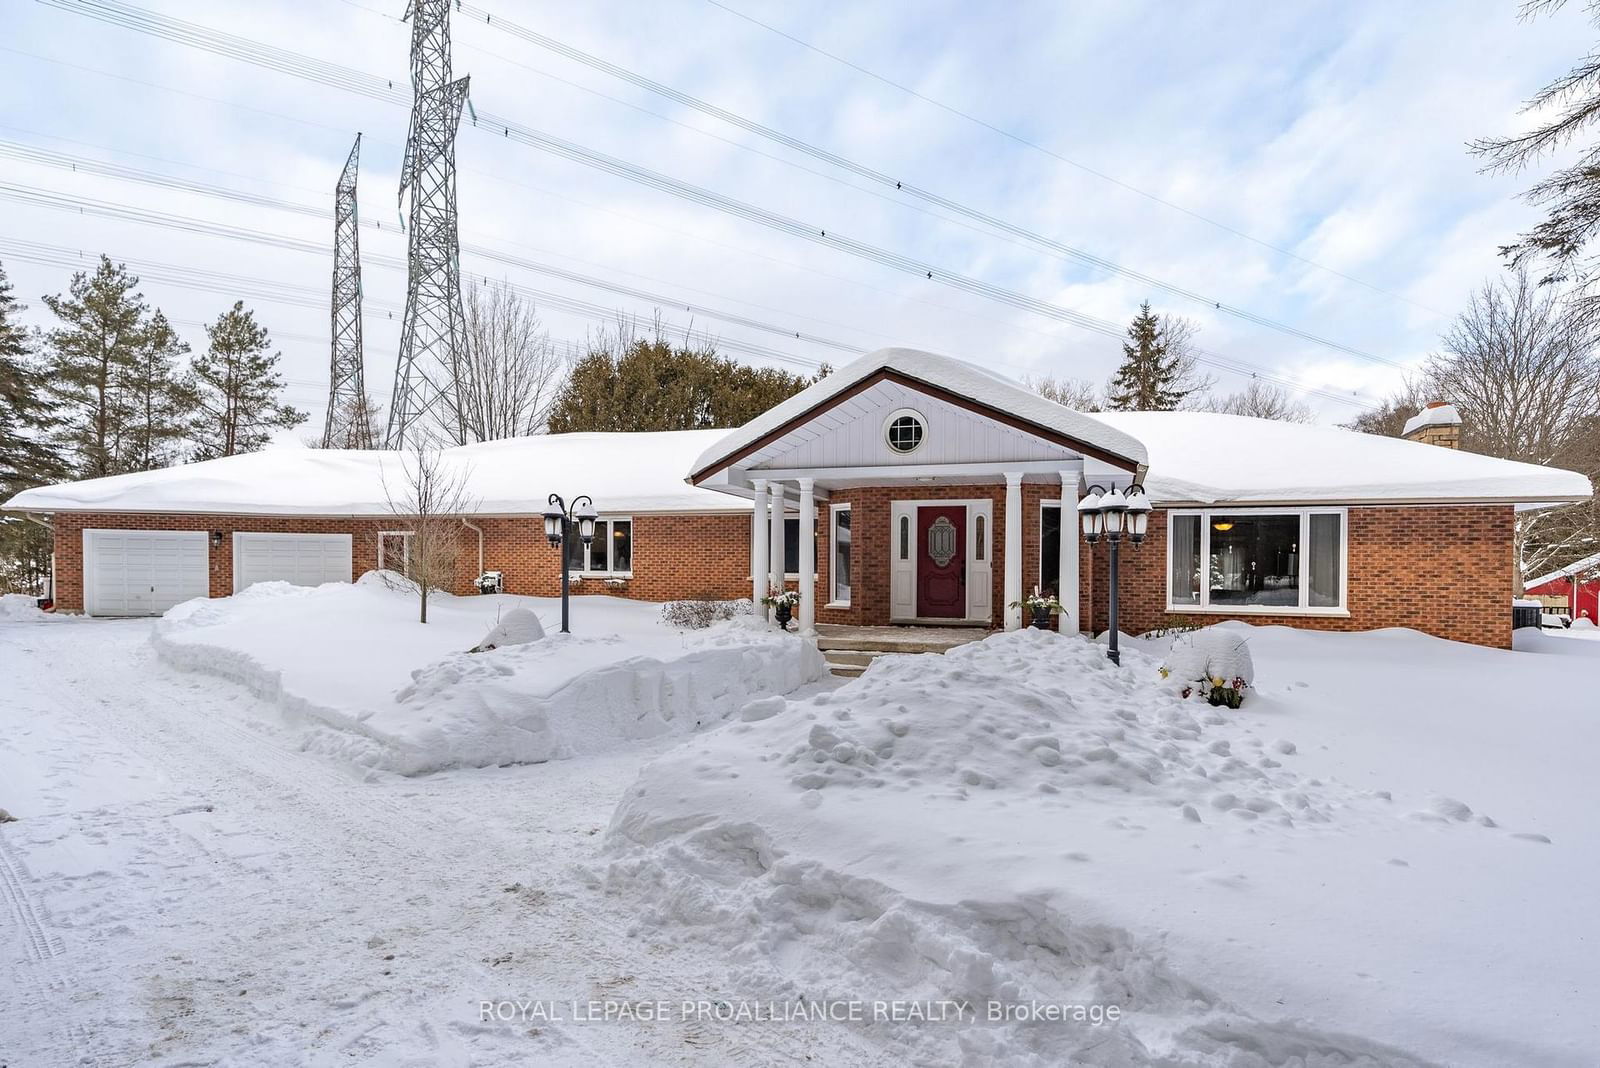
[{"x": 931, "y": 478}]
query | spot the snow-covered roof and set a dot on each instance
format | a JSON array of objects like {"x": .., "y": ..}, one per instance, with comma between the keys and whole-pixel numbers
[
  {"x": 942, "y": 372},
  {"x": 1433, "y": 415},
  {"x": 1577, "y": 567},
  {"x": 622, "y": 472},
  {"x": 1202, "y": 457}
]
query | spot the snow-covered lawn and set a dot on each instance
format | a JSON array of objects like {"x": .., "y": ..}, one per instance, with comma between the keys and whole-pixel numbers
[
  {"x": 1392, "y": 852},
  {"x": 371, "y": 684},
  {"x": 1387, "y": 856}
]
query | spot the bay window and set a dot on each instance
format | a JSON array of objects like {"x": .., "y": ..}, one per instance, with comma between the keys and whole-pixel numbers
[
  {"x": 609, "y": 554},
  {"x": 1256, "y": 560}
]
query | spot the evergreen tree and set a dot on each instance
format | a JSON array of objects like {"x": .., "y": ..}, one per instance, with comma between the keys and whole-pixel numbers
[
  {"x": 235, "y": 388},
  {"x": 1158, "y": 369},
  {"x": 625, "y": 384},
  {"x": 91, "y": 360},
  {"x": 157, "y": 405},
  {"x": 26, "y": 456}
]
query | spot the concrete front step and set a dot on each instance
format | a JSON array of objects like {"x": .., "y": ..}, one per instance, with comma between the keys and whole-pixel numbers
[{"x": 848, "y": 650}]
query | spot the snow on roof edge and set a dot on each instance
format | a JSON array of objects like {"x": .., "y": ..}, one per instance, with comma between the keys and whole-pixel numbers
[
  {"x": 946, "y": 372},
  {"x": 1566, "y": 572}
]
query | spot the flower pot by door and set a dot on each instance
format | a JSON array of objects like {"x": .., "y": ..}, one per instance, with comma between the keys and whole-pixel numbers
[
  {"x": 783, "y": 613},
  {"x": 1041, "y": 619}
]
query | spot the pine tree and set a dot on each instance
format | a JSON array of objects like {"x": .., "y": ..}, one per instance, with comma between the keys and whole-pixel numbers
[
  {"x": 91, "y": 359},
  {"x": 1158, "y": 370},
  {"x": 156, "y": 403},
  {"x": 26, "y": 456},
  {"x": 235, "y": 388}
]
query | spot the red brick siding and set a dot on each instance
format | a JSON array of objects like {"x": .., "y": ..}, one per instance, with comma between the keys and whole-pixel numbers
[
  {"x": 1442, "y": 570},
  {"x": 673, "y": 555}
]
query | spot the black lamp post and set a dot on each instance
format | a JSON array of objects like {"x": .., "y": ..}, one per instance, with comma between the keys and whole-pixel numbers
[
  {"x": 1109, "y": 513},
  {"x": 558, "y": 521}
]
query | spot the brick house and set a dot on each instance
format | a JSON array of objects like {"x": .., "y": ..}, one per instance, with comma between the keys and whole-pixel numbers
[{"x": 931, "y": 491}]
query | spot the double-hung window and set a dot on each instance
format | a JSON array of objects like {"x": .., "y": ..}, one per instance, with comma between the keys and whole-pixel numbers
[
  {"x": 610, "y": 554},
  {"x": 839, "y": 554},
  {"x": 1257, "y": 561}
]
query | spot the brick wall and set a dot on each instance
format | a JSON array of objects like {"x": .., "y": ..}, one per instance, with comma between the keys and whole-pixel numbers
[
  {"x": 673, "y": 555},
  {"x": 1445, "y": 570}
]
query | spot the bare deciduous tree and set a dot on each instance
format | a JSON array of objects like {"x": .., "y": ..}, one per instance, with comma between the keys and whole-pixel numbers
[
  {"x": 1261, "y": 400},
  {"x": 510, "y": 374},
  {"x": 358, "y": 424},
  {"x": 1521, "y": 365},
  {"x": 429, "y": 500},
  {"x": 1074, "y": 393}
]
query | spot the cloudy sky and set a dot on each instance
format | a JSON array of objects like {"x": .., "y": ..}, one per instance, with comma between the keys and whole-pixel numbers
[{"x": 1300, "y": 164}]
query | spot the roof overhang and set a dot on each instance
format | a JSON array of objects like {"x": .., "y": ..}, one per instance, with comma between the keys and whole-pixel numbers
[{"x": 705, "y": 473}]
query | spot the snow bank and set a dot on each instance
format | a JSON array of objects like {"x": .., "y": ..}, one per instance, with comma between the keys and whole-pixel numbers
[
  {"x": 374, "y": 686},
  {"x": 1018, "y": 821},
  {"x": 24, "y": 608}
]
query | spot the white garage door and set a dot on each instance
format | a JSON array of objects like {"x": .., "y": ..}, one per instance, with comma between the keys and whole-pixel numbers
[
  {"x": 143, "y": 572},
  {"x": 303, "y": 559}
]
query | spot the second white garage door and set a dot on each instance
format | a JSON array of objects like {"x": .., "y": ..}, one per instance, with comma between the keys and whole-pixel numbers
[{"x": 303, "y": 559}]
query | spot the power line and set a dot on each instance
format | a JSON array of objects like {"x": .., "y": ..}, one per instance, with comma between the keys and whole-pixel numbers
[
  {"x": 899, "y": 185},
  {"x": 1085, "y": 168},
  {"x": 1250, "y": 371},
  {"x": 270, "y": 57},
  {"x": 584, "y": 309}
]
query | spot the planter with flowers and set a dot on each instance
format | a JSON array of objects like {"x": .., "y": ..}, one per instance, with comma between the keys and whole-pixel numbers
[
  {"x": 782, "y": 602},
  {"x": 1039, "y": 608}
]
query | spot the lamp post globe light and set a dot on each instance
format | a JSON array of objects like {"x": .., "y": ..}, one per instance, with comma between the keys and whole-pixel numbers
[
  {"x": 558, "y": 523},
  {"x": 1108, "y": 514}
]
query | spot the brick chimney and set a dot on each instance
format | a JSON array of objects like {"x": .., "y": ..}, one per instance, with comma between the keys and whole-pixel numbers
[{"x": 1437, "y": 424}]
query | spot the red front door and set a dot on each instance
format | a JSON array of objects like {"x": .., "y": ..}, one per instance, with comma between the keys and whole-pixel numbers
[{"x": 942, "y": 561}]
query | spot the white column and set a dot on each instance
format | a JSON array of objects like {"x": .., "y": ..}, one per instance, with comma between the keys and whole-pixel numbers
[
  {"x": 775, "y": 564},
  {"x": 758, "y": 544},
  {"x": 808, "y": 556},
  {"x": 1068, "y": 594},
  {"x": 1014, "y": 521}
]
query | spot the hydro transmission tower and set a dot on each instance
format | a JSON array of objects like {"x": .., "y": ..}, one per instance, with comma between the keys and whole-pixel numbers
[
  {"x": 427, "y": 399},
  {"x": 349, "y": 425}
]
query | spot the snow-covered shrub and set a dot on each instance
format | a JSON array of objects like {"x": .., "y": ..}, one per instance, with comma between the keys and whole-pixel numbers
[
  {"x": 517, "y": 627},
  {"x": 1214, "y": 662},
  {"x": 701, "y": 613}
]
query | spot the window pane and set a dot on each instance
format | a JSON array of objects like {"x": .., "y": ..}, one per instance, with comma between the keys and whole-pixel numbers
[
  {"x": 905, "y": 538},
  {"x": 573, "y": 547},
  {"x": 841, "y": 556},
  {"x": 1185, "y": 580},
  {"x": 1324, "y": 562},
  {"x": 1050, "y": 549},
  {"x": 1255, "y": 560},
  {"x": 791, "y": 546},
  {"x": 983, "y": 542},
  {"x": 600, "y": 546},
  {"x": 621, "y": 545}
]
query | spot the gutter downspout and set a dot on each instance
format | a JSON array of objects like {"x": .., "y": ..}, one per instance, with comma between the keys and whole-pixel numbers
[
  {"x": 34, "y": 518},
  {"x": 475, "y": 527}
]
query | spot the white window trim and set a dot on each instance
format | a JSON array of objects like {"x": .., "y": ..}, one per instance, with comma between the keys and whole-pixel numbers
[
  {"x": 833, "y": 555},
  {"x": 1206, "y": 608},
  {"x": 405, "y": 547},
  {"x": 1044, "y": 504},
  {"x": 593, "y": 573},
  {"x": 922, "y": 421}
]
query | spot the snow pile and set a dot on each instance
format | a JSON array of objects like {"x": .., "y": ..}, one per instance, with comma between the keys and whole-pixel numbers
[
  {"x": 401, "y": 696},
  {"x": 1018, "y": 822},
  {"x": 24, "y": 608},
  {"x": 518, "y": 627},
  {"x": 1210, "y": 653}
]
